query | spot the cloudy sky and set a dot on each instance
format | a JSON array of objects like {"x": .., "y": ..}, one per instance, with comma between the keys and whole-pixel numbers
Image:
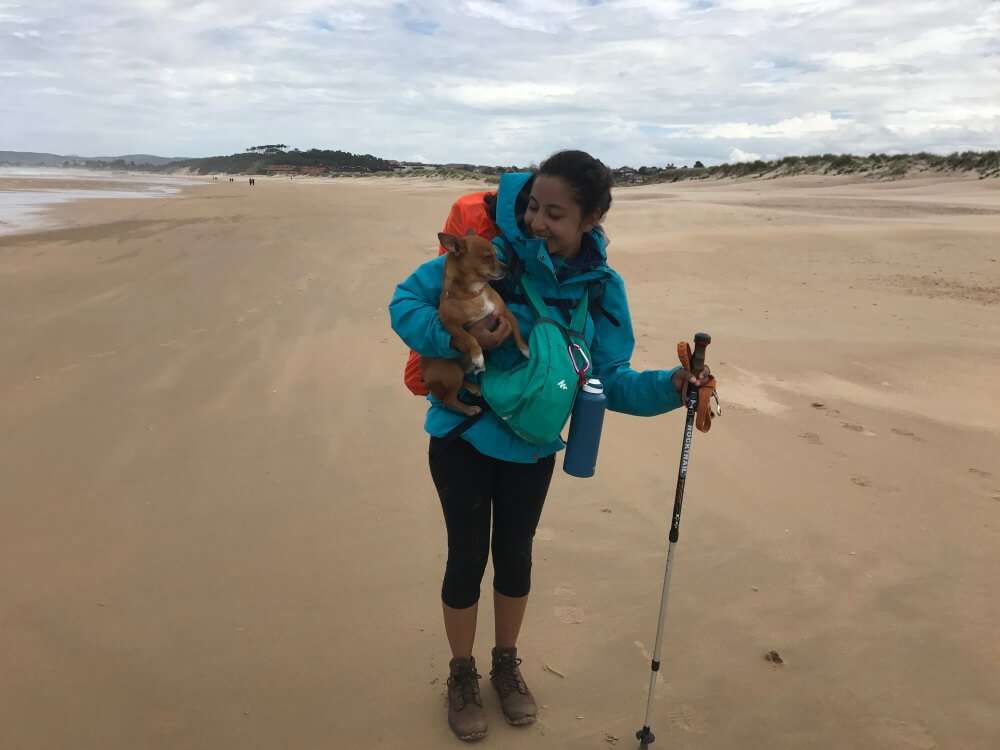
[{"x": 501, "y": 81}]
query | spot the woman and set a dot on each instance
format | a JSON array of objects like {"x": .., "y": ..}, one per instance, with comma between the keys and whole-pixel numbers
[{"x": 551, "y": 220}]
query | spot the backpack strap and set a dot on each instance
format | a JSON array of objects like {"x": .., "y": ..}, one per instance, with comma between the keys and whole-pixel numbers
[
  {"x": 596, "y": 295},
  {"x": 507, "y": 286},
  {"x": 566, "y": 305},
  {"x": 508, "y": 289},
  {"x": 541, "y": 310},
  {"x": 466, "y": 423},
  {"x": 578, "y": 321}
]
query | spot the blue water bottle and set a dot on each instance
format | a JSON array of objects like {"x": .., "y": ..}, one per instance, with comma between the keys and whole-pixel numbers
[{"x": 585, "y": 430}]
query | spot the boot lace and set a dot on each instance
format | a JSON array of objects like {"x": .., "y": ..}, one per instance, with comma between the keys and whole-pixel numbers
[
  {"x": 467, "y": 683},
  {"x": 507, "y": 676}
]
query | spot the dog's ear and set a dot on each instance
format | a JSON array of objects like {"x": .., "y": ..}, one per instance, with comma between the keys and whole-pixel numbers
[{"x": 451, "y": 243}]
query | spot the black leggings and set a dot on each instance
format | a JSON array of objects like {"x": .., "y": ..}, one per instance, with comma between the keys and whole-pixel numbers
[{"x": 470, "y": 485}]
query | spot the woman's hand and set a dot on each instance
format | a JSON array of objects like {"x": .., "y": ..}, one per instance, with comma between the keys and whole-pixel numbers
[
  {"x": 683, "y": 378},
  {"x": 490, "y": 332}
]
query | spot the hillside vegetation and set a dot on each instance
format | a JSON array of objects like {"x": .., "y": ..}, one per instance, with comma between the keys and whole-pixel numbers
[{"x": 279, "y": 159}]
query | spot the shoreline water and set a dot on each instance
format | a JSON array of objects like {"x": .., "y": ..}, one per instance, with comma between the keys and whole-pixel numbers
[{"x": 28, "y": 196}]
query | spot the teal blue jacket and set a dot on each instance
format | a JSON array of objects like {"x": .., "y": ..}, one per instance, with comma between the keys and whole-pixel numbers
[{"x": 413, "y": 312}]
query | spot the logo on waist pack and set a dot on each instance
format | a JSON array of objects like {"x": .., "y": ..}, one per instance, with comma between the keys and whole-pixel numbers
[{"x": 562, "y": 384}]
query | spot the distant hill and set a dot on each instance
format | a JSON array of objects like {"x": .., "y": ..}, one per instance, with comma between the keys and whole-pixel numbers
[
  {"x": 30, "y": 159},
  {"x": 155, "y": 161},
  {"x": 982, "y": 164},
  {"x": 279, "y": 159},
  {"x": 258, "y": 160},
  {"x": 876, "y": 166},
  {"x": 35, "y": 159}
]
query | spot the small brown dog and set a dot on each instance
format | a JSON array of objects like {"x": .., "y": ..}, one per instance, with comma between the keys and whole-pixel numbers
[{"x": 466, "y": 298}]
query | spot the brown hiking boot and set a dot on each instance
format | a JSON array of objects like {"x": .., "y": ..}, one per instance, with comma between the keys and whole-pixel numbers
[
  {"x": 515, "y": 698},
  {"x": 465, "y": 705}
]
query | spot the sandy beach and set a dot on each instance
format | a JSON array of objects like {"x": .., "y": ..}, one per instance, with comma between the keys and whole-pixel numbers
[{"x": 219, "y": 531}]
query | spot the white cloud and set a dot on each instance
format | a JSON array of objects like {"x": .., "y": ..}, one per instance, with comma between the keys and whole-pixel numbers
[
  {"x": 793, "y": 127},
  {"x": 634, "y": 81},
  {"x": 788, "y": 6},
  {"x": 851, "y": 61},
  {"x": 983, "y": 119},
  {"x": 525, "y": 15},
  {"x": 737, "y": 156},
  {"x": 491, "y": 11},
  {"x": 10, "y": 18},
  {"x": 490, "y": 94},
  {"x": 53, "y": 91}
]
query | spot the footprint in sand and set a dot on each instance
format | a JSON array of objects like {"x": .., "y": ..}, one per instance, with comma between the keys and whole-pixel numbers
[
  {"x": 811, "y": 437},
  {"x": 904, "y": 735},
  {"x": 567, "y": 612},
  {"x": 861, "y": 481},
  {"x": 907, "y": 433},
  {"x": 979, "y": 473},
  {"x": 857, "y": 428},
  {"x": 823, "y": 407},
  {"x": 687, "y": 719},
  {"x": 565, "y": 592},
  {"x": 569, "y": 615}
]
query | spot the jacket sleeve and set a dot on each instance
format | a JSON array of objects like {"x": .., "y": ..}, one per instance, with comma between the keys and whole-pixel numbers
[
  {"x": 413, "y": 312},
  {"x": 643, "y": 394}
]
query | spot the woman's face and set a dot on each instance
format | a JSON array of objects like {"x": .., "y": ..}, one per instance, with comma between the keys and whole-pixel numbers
[{"x": 554, "y": 216}]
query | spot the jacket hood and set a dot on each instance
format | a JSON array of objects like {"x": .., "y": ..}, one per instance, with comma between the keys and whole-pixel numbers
[{"x": 532, "y": 251}]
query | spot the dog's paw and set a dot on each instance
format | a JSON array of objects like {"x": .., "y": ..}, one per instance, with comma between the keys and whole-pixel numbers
[
  {"x": 479, "y": 364},
  {"x": 525, "y": 351},
  {"x": 473, "y": 411}
]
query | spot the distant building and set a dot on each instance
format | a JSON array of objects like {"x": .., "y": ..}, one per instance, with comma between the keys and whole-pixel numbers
[{"x": 627, "y": 176}]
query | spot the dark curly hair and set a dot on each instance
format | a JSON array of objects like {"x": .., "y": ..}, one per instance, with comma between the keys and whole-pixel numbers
[{"x": 588, "y": 177}]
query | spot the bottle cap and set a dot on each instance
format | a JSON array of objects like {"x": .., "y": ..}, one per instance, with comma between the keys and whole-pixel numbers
[{"x": 593, "y": 386}]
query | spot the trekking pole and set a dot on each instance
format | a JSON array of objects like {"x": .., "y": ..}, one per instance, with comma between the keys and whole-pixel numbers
[{"x": 701, "y": 340}]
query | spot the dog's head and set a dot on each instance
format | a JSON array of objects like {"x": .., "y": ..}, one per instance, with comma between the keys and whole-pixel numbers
[{"x": 475, "y": 256}]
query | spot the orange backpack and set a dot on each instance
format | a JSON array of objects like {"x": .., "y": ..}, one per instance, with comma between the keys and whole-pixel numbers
[{"x": 468, "y": 212}]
